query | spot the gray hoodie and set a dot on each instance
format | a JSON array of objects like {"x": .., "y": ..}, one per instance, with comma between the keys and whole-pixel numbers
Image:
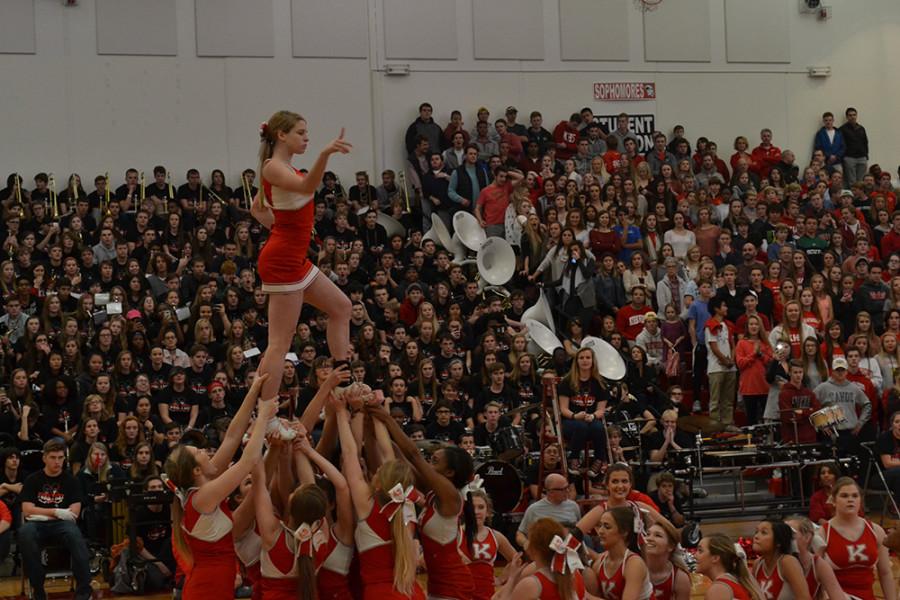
[{"x": 847, "y": 395}]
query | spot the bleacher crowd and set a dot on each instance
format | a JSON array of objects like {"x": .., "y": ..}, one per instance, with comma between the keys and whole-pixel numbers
[{"x": 749, "y": 287}]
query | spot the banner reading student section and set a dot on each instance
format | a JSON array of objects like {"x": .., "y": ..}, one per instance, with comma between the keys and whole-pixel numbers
[{"x": 643, "y": 127}]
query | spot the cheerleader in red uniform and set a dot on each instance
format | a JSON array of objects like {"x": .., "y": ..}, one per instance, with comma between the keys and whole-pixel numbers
[
  {"x": 247, "y": 543},
  {"x": 285, "y": 205},
  {"x": 719, "y": 559},
  {"x": 385, "y": 521},
  {"x": 777, "y": 571},
  {"x": 619, "y": 484},
  {"x": 294, "y": 551},
  {"x": 668, "y": 573},
  {"x": 555, "y": 573},
  {"x": 446, "y": 479},
  {"x": 621, "y": 572},
  {"x": 202, "y": 520},
  {"x": 853, "y": 545},
  {"x": 487, "y": 543},
  {"x": 817, "y": 572}
]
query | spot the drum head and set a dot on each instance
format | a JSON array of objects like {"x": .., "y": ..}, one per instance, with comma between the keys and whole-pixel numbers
[{"x": 502, "y": 483}]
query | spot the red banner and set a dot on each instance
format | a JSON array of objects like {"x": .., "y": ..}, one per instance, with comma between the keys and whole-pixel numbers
[{"x": 624, "y": 91}]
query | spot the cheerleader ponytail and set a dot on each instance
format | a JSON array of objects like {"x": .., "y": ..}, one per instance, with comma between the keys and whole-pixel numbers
[
  {"x": 734, "y": 563},
  {"x": 391, "y": 474},
  {"x": 282, "y": 120},
  {"x": 308, "y": 505}
]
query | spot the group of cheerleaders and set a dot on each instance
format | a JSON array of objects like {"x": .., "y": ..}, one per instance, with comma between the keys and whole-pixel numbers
[{"x": 303, "y": 528}]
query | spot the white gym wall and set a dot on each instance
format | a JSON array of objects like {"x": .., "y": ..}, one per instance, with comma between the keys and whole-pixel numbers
[{"x": 110, "y": 84}]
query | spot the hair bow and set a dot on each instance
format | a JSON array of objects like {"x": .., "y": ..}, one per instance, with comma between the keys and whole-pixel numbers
[
  {"x": 404, "y": 498},
  {"x": 304, "y": 535},
  {"x": 263, "y": 129},
  {"x": 566, "y": 554},
  {"x": 172, "y": 487},
  {"x": 739, "y": 550},
  {"x": 475, "y": 485}
]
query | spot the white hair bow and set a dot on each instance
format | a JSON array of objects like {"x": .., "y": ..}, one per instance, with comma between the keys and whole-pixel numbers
[
  {"x": 304, "y": 535},
  {"x": 404, "y": 498},
  {"x": 475, "y": 485},
  {"x": 566, "y": 554},
  {"x": 739, "y": 550}
]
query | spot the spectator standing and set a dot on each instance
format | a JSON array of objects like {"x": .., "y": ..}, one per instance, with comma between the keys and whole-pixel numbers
[
  {"x": 830, "y": 141},
  {"x": 856, "y": 142},
  {"x": 423, "y": 126}
]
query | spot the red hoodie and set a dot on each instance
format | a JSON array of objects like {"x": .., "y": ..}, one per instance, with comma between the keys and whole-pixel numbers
[{"x": 563, "y": 134}]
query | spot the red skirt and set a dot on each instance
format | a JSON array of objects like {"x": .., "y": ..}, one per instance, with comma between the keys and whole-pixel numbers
[
  {"x": 283, "y": 264},
  {"x": 215, "y": 580}
]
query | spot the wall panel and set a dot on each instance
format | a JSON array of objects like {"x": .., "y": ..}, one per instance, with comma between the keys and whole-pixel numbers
[{"x": 234, "y": 28}]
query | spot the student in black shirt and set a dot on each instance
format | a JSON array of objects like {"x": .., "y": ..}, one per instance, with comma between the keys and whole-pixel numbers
[
  {"x": 177, "y": 402},
  {"x": 485, "y": 433},
  {"x": 498, "y": 391},
  {"x": 155, "y": 531},
  {"x": 51, "y": 505},
  {"x": 444, "y": 427},
  {"x": 888, "y": 449},
  {"x": 582, "y": 405},
  {"x": 667, "y": 500}
]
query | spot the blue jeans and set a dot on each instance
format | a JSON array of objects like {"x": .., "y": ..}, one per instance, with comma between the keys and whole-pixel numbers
[
  {"x": 577, "y": 433},
  {"x": 34, "y": 536}
]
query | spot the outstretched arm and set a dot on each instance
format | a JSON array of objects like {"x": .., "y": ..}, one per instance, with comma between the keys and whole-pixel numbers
[
  {"x": 266, "y": 521},
  {"x": 359, "y": 488},
  {"x": 281, "y": 175},
  {"x": 344, "y": 527},
  {"x": 310, "y": 416},
  {"x": 238, "y": 426},
  {"x": 214, "y": 491},
  {"x": 449, "y": 501}
]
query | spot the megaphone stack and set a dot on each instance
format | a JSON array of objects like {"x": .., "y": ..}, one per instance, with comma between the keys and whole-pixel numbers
[
  {"x": 540, "y": 339},
  {"x": 609, "y": 362},
  {"x": 470, "y": 233},
  {"x": 391, "y": 225},
  {"x": 540, "y": 312},
  {"x": 496, "y": 260}
]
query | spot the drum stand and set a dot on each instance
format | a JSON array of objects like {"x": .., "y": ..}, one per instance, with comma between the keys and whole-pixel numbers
[
  {"x": 550, "y": 412},
  {"x": 890, "y": 492}
]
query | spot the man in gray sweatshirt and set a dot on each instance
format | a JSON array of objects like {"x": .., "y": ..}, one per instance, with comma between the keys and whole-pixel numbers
[{"x": 838, "y": 391}]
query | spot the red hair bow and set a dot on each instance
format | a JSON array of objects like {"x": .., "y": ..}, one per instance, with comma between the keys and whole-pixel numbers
[{"x": 263, "y": 129}]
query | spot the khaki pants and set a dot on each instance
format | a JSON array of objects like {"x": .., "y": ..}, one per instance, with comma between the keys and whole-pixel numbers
[{"x": 722, "y": 389}]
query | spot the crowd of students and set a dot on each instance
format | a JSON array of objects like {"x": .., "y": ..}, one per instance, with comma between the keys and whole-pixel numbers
[{"x": 135, "y": 319}]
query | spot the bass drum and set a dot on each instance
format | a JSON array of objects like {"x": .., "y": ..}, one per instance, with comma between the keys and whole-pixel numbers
[{"x": 503, "y": 483}]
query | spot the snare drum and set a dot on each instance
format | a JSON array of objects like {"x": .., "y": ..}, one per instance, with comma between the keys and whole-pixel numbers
[
  {"x": 828, "y": 417},
  {"x": 508, "y": 443},
  {"x": 503, "y": 483}
]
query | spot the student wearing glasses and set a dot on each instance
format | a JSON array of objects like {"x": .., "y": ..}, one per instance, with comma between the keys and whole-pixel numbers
[{"x": 555, "y": 504}]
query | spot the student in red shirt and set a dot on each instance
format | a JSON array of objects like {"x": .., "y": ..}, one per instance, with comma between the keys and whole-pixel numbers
[
  {"x": 565, "y": 136},
  {"x": 630, "y": 318},
  {"x": 766, "y": 155},
  {"x": 795, "y": 403},
  {"x": 490, "y": 209}
]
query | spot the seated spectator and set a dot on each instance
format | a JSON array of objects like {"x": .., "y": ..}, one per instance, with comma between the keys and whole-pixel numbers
[
  {"x": 555, "y": 504},
  {"x": 669, "y": 503},
  {"x": 51, "y": 504}
]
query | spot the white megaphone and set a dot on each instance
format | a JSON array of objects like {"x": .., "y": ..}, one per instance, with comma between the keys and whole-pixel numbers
[
  {"x": 440, "y": 231},
  {"x": 540, "y": 339},
  {"x": 391, "y": 225},
  {"x": 540, "y": 312},
  {"x": 458, "y": 250},
  {"x": 470, "y": 233},
  {"x": 496, "y": 261},
  {"x": 610, "y": 363}
]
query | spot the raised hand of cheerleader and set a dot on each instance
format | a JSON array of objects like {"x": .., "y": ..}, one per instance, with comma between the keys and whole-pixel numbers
[{"x": 339, "y": 144}]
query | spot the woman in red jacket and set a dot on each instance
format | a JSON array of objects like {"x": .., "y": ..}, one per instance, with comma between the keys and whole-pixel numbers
[{"x": 753, "y": 354}]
